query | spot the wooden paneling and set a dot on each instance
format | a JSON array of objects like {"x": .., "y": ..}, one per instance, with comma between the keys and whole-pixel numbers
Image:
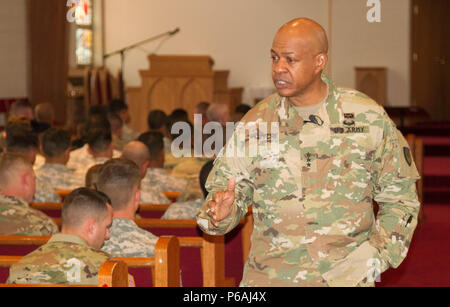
[
  {"x": 372, "y": 81},
  {"x": 48, "y": 54},
  {"x": 178, "y": 82},
  {"x": 430, "y": 57}
]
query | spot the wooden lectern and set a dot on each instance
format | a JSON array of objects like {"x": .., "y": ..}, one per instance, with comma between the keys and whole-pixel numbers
[{"x": 178, "y": 82}]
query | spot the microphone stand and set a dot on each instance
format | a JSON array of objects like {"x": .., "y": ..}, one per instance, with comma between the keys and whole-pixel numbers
[{"x": 130, "y": 47}]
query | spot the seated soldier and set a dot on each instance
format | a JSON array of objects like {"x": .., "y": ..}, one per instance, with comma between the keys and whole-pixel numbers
[
  {"x": 156, "y": 121},
  {"x": 17, "y": 187},
  {"x": 97, "y": 122},
  {"x": 137, "y": 152},
  {"x": 55, "y": 145},
  {"x": 116, "y": 131},
  {"x": 44, "y": 117},
  {"x": 73, "y": 256},
  {"x": 156, "y": 174},
  {"x": 120, "y": 108},
  {"x": 188, "y": 210},
  {"x": 120, "y": 179},
  {"x": 100, "y": 149},
  {"x": 20, "y": 138}
]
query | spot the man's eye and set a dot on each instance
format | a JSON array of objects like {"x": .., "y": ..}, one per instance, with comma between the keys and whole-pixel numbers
[
  {"x": 290, "y": 60},
  {"x": 274, "y": 58}
]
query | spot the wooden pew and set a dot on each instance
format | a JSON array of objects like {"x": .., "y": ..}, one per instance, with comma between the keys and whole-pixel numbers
[
  {"x": 63, "y": 193},
  {"x": 113, "y": 273},
  {"x": 147, "y": 210},
  {"x": 165, "y": 265},
  {"x": 212, "y": 248},
  {"x": 172, "y": 196}
]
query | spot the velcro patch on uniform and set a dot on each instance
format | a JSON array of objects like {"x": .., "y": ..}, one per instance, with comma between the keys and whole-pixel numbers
[
  {"x": 407, "y": 154},
  {"x": 349, "y": 130}
]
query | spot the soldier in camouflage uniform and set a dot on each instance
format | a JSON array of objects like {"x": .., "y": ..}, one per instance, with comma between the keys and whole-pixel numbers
[
  {"x": 17, "y": 187},
  {"x": 119, "y": 179},
  {"x": 56, "y": 148},
  {"x": 156, "y": 177},
  {"x": 72, "y": 257},
  {"x": 314, "y": 223},
  {"x": 187, "y": 210}
]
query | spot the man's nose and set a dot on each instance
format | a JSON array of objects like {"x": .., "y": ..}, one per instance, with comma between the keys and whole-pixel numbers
[{"x": 279, "y": 66}]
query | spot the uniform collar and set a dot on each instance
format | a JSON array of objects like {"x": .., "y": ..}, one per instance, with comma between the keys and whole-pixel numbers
[
  {"x": 329, "y": 112},
  {"x": 54, "y": 166},
  {"x": 11, "y": 200},
  {"x": 66, "y": 238}
]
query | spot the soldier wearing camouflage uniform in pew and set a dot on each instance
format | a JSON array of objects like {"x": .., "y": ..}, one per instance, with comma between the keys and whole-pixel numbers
[
  {"x": 119, "y": 179},
  {"x": 72, "y": 257},
  {"x": 314, "y": 223},
  {"x": 188, "y": 210},
  {"x": 55, "y": 144},
  {"x": 17, "y": 187}
]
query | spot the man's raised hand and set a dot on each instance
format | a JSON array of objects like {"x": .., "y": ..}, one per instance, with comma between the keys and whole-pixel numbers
[{"x": 219, "y": 207}]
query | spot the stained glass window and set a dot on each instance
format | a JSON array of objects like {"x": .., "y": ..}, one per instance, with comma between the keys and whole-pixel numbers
[
  {"x": 84, "y": 32},
  {"x": 84, "y": 46}
]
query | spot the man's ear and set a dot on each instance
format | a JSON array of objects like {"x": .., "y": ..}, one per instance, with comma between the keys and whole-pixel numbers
[
  {"x": 137, "y": 196},
  {"x": 91, "y": 226},
  {"x": 90, "y": 150},
  {"x": 321, "y": 61},
  {"x": 32, "y": 156},
  {"x": 67, "y": 154}
]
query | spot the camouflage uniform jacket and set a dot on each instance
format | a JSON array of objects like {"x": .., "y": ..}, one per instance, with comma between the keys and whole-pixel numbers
[
  {"x": 183, "y": 210},
  {"x": 81, "y": 160},
  {"x": 65, "y": 259},
  {"x": 128, "y": 134},
  {"x": 166, "y": 182},
  {"x": 17, "y": 218},
  {"x": 59, "y": 177},
  {"x": 153, "y": 195},
  {"x": 128, "y": 240},
  {"x": 314, "y": 222},
  {"x": 45, "y": 193}
]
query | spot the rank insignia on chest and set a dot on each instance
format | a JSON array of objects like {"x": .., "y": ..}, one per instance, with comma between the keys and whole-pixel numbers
[{"x": 349, "y": 119}]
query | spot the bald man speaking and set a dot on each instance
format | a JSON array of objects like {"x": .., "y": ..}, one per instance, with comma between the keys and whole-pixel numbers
[{"x": 338, "y": 152}]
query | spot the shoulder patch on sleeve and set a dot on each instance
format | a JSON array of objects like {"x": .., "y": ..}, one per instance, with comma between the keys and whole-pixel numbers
[{"x": 407, "y": 167}]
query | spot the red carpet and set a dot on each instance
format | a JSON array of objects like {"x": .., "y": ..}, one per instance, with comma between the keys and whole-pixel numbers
[{"x": 428, "y": 260}]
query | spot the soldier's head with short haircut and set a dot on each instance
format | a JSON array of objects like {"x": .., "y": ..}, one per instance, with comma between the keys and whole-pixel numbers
[
  {"x": 21, "y": 108},
  {"x": 120, "y": 180},
  {"x": 99, "y": 140},
  {"x": 88, "y": 214},
  {"x": 55, "y": 142},
  {"x": 137, "y": 152},
  {"x": 154, "y": 141},
  {"x": 16, "y": 176},
  {"x": 20, "y": 138},
  {"x": 156, "y": 120}
]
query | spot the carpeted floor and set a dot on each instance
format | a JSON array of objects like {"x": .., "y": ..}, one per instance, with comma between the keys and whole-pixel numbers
[{"x": 428, "y": 260}]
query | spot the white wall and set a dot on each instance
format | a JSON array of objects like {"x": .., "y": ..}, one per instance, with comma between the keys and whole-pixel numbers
[
  {"x": 237, "y": 34},
  {"x": 13, "y": 49},
  {"x": 356, "y": 42}
]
